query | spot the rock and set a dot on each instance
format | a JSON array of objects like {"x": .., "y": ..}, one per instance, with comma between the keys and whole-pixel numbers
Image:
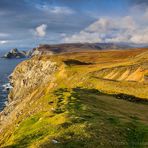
[
  {"x": 32, "y": 52},
  {"x": 15, "y": 53},
  {"x": 37, "y": 51},
  {"x": 55, "y": 141},
  {"x": 29, "y": 75}
]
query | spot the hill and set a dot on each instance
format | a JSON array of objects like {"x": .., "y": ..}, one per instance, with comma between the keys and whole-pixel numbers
[
  {"x": 78, "y": 99},
  {"x": 74, "y": 47}
]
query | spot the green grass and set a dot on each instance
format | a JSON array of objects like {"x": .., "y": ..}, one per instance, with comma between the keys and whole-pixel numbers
[
  {"x": 79, "y": 118},
  {"x": 137, "y": 135}
]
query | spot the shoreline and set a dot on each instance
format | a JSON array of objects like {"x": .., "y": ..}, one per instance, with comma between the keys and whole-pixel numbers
[{"x": 6, "y": 68}]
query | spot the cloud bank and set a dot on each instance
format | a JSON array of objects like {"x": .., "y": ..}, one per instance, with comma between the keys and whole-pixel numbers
[{"x": 127, "y": 29}]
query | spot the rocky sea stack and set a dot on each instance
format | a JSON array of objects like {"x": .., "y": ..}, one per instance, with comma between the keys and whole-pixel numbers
[{"x": 15, "y": 53}]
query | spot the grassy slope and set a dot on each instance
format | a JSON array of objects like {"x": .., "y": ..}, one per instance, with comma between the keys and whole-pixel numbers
[
  {"x": 76, "y": 114},
  {"x": 81, "y": 117}
]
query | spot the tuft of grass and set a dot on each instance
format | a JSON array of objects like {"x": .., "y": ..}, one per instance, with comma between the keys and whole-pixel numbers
[
  {"x": 137, "y": 135},
  {"x": 113, "y": 120}
]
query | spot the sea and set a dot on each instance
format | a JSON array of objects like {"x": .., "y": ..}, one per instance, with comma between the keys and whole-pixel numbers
[{"x": 6, "y": 68}]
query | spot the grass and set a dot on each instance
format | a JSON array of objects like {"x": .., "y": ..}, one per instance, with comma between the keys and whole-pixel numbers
[
  {"x": 137, "y": 135},
  {"x": 79, "y": 117},
  {"x": 146, "y": 75}
]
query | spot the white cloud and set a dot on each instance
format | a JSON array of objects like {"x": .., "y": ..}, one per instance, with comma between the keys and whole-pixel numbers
[
  {"x": 105, "y": 30},
  {"x": 3, "y": 42},
  {"x": 56, "y": 9},
  {"x": 126, "y": 29},
  {"x": 41, "y": 30}
]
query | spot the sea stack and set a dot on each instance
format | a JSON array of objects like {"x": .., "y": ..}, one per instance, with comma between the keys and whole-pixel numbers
[{"x": 15, "y": 53}]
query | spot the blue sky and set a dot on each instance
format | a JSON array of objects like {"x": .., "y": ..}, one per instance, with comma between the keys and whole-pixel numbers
[{"x": 27, "y": 23}]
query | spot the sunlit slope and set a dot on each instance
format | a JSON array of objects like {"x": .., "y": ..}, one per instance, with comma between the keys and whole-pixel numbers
[{"x": 136, "y": 70}]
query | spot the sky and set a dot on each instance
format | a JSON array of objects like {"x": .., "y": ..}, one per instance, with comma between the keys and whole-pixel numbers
[{"x": 28, "y": 23}]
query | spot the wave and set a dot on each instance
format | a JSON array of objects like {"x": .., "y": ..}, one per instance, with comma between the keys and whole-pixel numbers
[{"x": 7, "y": 87}]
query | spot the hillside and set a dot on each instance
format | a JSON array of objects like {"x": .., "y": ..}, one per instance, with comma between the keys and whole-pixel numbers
[
  {"x": 74, "y": 47},
  {"x": 78, "y": 99}
]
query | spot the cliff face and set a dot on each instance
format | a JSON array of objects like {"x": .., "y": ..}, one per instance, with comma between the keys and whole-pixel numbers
[
  {"x": 26, "y": 78},
  {"x": 29, "y": 75},
  {"x": 60, "y": 101}
]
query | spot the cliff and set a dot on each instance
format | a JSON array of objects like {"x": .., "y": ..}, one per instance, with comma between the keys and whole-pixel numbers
[
  {"x": 27, "y": 77},
  {"x": 66, "y": 101}
]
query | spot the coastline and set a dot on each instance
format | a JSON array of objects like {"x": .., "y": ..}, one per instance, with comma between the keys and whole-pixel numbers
[{"x": 6, "y": 68}]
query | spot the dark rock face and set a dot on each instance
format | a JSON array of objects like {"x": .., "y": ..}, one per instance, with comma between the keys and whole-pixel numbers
[{"x": 15, "y": 53}]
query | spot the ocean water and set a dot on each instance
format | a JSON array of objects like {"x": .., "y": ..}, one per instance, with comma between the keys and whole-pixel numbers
[{"x": 6, "y": 68}]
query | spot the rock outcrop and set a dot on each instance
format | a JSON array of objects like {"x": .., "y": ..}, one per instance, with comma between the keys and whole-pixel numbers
[
  {"x": 34, "y": 52},
  {"x": 15, "y": 53}
]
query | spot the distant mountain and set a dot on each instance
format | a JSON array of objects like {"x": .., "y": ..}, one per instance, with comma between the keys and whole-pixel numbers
[
  {"x": 63, "y": 48},
  {"x": 113, "y": 45},
  {"x": 74, "y": 47}
]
